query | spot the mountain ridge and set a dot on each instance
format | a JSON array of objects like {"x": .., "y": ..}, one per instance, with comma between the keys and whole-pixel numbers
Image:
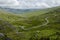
[{"x": 43, "y": 25}]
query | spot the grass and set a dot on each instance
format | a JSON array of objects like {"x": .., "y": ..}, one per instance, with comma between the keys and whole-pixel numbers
[{"x": 13, "y": 25}]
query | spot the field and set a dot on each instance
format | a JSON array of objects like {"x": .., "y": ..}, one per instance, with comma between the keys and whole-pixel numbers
[{"x": 37, "y": 25}]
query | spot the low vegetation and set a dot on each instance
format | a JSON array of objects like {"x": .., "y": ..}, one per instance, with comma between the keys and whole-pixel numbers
[{"x": 43, "y": 26}]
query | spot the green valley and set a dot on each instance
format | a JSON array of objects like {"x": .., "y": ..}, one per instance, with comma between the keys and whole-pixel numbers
[{"x": 37, "y": 25}]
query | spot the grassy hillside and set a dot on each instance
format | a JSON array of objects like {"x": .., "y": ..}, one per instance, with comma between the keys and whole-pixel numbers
[{"x": 36, "y": 25}]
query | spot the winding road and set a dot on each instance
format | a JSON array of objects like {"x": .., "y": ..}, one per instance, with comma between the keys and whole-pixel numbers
[{"x": 47, "y": 21}]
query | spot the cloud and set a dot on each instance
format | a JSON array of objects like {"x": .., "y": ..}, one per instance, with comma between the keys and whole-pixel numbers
[
  {"x": 21, "y": 4},
  {"x": 9, "y": 3}
]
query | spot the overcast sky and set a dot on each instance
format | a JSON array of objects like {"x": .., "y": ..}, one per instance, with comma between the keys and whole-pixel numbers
[{"x": 21, "y": 4}]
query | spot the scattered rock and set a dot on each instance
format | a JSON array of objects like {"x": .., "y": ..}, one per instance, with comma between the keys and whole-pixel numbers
[{"x": 1, "y": 35}]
